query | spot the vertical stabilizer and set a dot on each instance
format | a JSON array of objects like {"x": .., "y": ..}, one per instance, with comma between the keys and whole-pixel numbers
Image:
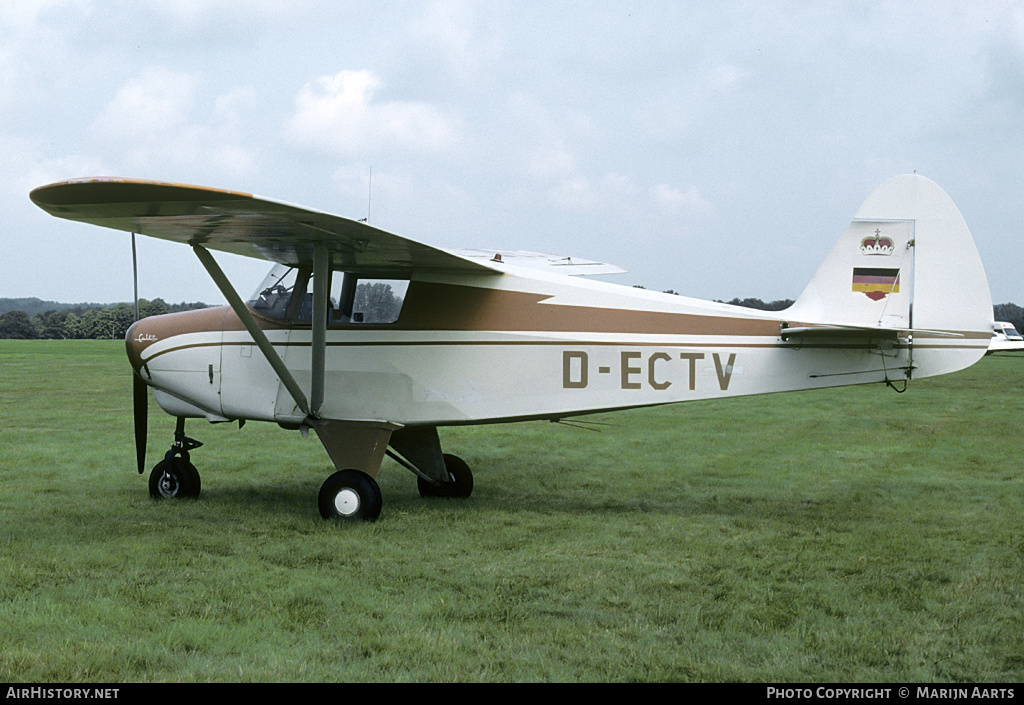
[{"x": 907, "y": 262}]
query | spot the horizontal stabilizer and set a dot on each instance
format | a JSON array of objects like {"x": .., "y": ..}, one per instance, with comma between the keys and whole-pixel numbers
[{"x": 838, "y": 331}]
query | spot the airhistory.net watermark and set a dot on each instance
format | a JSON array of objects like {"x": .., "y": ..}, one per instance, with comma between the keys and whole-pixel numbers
[{"x": 40, "y": 693}]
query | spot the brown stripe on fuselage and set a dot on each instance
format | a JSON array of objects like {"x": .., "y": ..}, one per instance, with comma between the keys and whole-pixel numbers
[
  {"x": 434, "y": 307},
  {"x": 439, "y": 307}
]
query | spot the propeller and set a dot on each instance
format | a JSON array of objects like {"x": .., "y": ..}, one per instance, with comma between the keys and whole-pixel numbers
[{"x": 140, "y": 395}]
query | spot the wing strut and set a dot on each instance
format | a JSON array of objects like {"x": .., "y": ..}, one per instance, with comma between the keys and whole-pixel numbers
[
  {"x": 321, "y": 268},
  {"x": 258, "y": 336}
]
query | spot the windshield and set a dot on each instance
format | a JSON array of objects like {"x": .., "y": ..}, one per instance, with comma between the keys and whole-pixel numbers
[{"x": 272, "y": 296}]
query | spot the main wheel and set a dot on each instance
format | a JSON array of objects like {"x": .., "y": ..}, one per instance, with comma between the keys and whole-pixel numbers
[
  {"x": 460, "y": 485},
  {"x": 350, "y": 495},
  {"x": 174, "y": 477}
]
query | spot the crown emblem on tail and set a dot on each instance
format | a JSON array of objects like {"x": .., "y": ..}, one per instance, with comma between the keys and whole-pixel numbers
[{"x": 877, "y": 244}]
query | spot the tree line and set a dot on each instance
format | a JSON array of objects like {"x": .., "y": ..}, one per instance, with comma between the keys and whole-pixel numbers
[{"x": 77, "y": 322}]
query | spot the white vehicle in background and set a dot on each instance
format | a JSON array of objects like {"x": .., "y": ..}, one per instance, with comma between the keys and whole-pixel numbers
[{"x": 1005, "y": 338}]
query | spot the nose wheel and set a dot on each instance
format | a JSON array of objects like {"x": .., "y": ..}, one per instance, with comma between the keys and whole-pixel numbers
[{"x": 175, "y": 476}]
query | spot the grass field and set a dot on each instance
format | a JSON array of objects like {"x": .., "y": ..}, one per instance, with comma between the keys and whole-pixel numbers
[{"x": 847, "y": 535}]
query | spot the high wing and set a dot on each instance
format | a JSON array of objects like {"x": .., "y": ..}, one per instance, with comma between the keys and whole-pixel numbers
[{"x": 248, "y": 225}]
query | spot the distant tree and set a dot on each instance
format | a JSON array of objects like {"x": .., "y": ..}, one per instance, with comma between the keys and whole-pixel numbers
[
  {"x": 119, "y": 318},
  {"x": 156, "y": 307},
  {"x": 761, "y": 305},
  {"x": 17, "y": 325},
  {"x": 73, "y": 326},
  {"x": 377, "y": 302},
  {"x": 90, "y": 325},
  {"x": 52, "y": 324},
  {"x": 175, "y": 308}
]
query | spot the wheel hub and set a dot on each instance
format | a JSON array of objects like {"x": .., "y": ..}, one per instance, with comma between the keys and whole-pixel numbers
[
  {"x": 168, "y": 485},
  {"x": 346, "y": 502}
]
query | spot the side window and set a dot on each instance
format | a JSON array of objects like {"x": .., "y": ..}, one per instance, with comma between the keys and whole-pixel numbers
[
  {"x": 379, "y": 300},
  {"x": 356, "y": 299}
]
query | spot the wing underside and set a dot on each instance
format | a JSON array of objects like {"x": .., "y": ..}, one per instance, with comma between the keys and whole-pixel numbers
[{"x": 242, "y": 224}]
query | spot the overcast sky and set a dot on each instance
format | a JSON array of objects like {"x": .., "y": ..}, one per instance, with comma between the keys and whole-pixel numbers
[{"x": 718, "y": 149}]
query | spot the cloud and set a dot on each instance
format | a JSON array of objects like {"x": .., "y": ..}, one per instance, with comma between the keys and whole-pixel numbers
[
  {"x": 340, "y": 113},
  {"x": 673, "y": 200},
  {"x": 162, "y": 121},
  {"x": 151, "y": 104},
  {"x": 613, "y": 191},
  {"x": 531, "y": 129},
  {"x": 457, "y": 33}
]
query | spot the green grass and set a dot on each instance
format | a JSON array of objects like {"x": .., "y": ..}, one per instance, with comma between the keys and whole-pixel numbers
[{"x": 846, "y": 535}]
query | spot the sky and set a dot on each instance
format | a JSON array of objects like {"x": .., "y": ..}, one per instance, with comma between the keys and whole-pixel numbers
[{"x": 716, "y": 149}]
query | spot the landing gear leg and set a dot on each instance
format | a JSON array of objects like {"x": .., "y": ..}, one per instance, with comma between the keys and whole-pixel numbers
[
  {"x": 175, "y": 476},
  {"x": 356, "y": 449}
]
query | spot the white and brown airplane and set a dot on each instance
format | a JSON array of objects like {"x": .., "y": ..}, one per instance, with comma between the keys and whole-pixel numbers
[{"x": 374, "y": 340}]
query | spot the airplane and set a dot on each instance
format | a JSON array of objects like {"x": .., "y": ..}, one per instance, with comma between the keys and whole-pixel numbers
[
  {"x": 1005, "y": 339},
  {"x": 375, "y": 341}
]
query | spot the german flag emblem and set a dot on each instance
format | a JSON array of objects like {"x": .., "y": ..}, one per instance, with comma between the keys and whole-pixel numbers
[{"x": 876, "y": 284}]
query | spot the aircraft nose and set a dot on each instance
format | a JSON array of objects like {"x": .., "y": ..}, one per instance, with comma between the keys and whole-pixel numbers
[
  {"x": 139, "y": 337},
  {"x": 155, "y": 329}
]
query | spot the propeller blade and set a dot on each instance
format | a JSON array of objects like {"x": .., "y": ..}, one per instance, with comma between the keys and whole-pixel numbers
[{"x": 140, "y": 397}]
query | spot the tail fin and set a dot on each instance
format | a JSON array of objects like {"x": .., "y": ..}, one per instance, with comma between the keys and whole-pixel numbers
[{"x": 907, "y": 264}]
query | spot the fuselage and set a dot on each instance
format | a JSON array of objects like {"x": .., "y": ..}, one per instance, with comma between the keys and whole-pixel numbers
[{"x": 489, "y": 349}]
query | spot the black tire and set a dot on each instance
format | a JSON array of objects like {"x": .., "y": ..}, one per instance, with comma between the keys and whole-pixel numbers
[
  {"x": 174, "y": 478},
  {"x": 350, "y": 495},
  {"x": 460, "y": 486}
]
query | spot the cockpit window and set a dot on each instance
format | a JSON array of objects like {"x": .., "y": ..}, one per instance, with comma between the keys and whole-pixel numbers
[{"x": 287, "y": 293}]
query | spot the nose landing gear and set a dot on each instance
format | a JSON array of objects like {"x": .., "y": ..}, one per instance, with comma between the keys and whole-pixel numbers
[{"x": 175, "y": 476}]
